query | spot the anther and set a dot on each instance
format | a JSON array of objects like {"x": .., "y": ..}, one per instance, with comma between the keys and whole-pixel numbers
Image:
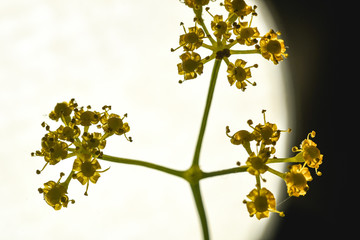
[
  {"x": 39, "y": 171},
  {"x": 295, "y": 149},
  {"x": 312, "y": 134}
]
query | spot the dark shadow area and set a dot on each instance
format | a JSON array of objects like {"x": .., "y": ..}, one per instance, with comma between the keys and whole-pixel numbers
[{"x": 309, "y": 30}]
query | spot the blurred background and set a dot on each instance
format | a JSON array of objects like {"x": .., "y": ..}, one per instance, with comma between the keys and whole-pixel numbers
[
  {"x": 311, "y": 33},
  {"x": 118, "y": 53}
]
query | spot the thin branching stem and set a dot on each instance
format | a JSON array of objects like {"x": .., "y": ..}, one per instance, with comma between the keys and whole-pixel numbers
[
  {"x": 214, "y": 75},
  {"x": 195, "y": 188},
  {"x": 142, "y": 163}
]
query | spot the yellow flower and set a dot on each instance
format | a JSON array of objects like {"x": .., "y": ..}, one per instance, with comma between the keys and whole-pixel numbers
[
  {"x": 55, "y": 193},
  {"x": 262, "y": 202},
  {"x": 246, "y": 34},
  {"x": 86, "y": 118},
  {"x": 240, "y": 74},
  {"x": 87, "y": 170},
  {"x": 68, "y": 133},
  {"x": 238, "y": 7},
  {"x": 273, "y": 48},
  {"x": 196, "y": 4},
  {"x": 221, "y": 28},
  {"x": 191, "y": 40},
  {"x": 63, "y": 109},
  {"x": 112, "y": 123},
  {"x": 296, "y": 180},
  {"x": 240, "y": 137},
  {"x": 191, "y": 65},
  {"x": 311, "y": 154},
  {"x": 53, "y": 149},
  {"x": 267, "y": 134},
  {"x": 93, "y": 142},
  {"x": 257, "y": 164}
]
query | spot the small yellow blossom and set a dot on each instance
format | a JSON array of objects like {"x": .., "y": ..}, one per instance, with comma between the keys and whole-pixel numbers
[
  {"x": 63, "y": 109},
  {"x": 273, "y": 48},
  {"x": 86, "y": 118},
  {"x": 191, "y": 40},
  {"x": 245, "y": 34},
  {"x": 238, "y": 7},
  {"x": 257, "y": 164},
  {"x": 53, "y": 149},
  {"x": 296, "y": 180},
  {"x": 196, "y": 4},
  {"x": 87, "y": 170},
  {"x": 240, "y": 74},
  {"x": 311, "y": 154},
  {"x": 93, "y": 142},
  {"x": 68, "y": 133},
  {"x": 221, "y": 28},
  {"x": 191, "y": 65},
  {"x": 55, "y": 193},
  {"x": 240, "y": 137},
  {"x": 267, "y": 134},
  {"x": 262, "y": 203},
  {"x": 113, "y": 124}
]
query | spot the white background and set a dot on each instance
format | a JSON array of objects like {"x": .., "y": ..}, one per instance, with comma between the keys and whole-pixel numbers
[{"x": 118, "y": 53}]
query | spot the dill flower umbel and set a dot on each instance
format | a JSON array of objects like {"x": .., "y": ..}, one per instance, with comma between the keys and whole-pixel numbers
[{"x": 74, "y": 138}]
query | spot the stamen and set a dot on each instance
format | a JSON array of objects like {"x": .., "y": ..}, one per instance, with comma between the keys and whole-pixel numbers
[
  {"x": 182, "y": 24},
  {"x": 39, "y": 171},
  {"x": 295, "y": 149},
  {"x": 103, "y": 170},
  {"x": 207, "y": 9},
  {"x": 263, "y": 112},
  {"x": 228, "y": 131},
  {"x": 87, "y": 187},
  {"x": 61, "y": 175},
  {"x": 128, "y": 138}
]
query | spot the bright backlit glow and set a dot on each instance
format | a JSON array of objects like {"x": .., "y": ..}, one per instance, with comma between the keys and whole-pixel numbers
[{"x": 118, "y": 53}]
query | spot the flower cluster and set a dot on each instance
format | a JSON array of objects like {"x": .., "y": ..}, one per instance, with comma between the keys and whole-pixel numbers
[
  {"x": 266, "y": 136},
  {"x": 227, "y": 32},
  {"x": 69, "y": 140}
]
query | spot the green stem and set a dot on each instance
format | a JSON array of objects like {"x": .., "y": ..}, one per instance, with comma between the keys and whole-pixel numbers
[
  {"x": 201, "y": 210},
  {"x": 224, "y": 172},
  {"x": 277, "y": 173},
  {"x": 207, "y": 46},
  {"x": 214, "y": 74},
  {"x": 296, "y": 159},
  {"x": 142, "y": 163},
  {"x": 198, "y": 13},
  {"x": 245, "y": 51}
]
